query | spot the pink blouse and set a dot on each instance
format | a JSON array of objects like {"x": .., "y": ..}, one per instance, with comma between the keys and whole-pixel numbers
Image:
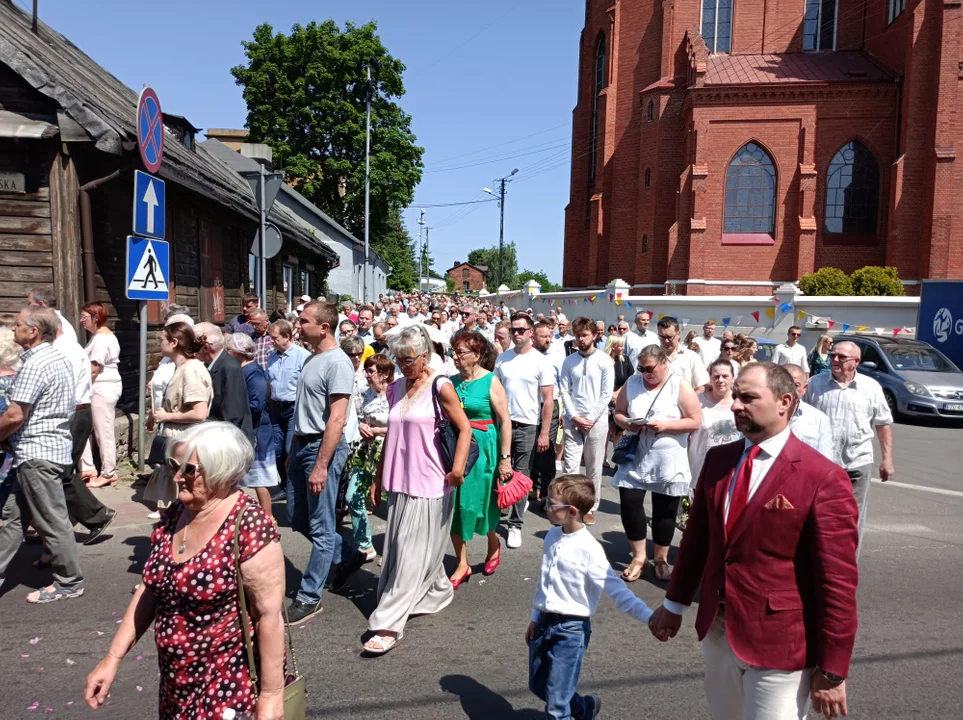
[{"x": 412, "y": 449}]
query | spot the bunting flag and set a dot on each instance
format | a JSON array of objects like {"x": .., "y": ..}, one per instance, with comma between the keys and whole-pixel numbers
[
  {"x": 725, "y": 322},
  {"x": 684, "y": 321},
  {"x": 830, "y": 323},
  {"x": 896, "y": 331},
  {"x": 801, "y": 314},
  {"x": 845, "y": 327},
  {"x": 771, "y": 312},
  {"x": 611, "y": 297},
  {"x": 861, "y": 328},
  {"x": 755, "y": 315},
  {"x": 628, "y": 304},
  {"x": 785, "y": 307},
  {"x": 879, "y": 331},
  {"x": 739, "y": 320},
  {"x": 592, "y": 299},
  {"x": 775, "y": 300},
  {"x": 711, "y": 320},
  {"x": 661, "y": 316}
]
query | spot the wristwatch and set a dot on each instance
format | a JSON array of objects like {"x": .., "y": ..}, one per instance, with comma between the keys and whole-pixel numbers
[
  {"x": 505, "y": 457},
  {"x": 834, "y": 679}
]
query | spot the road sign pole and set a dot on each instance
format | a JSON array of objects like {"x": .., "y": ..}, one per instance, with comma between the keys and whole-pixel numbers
[
  {"x": 262, "y": 237},
  {"x": 141, "y": 399}
]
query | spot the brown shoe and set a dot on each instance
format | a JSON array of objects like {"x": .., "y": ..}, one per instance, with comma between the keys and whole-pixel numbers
[{"x": 589, "y": 519}]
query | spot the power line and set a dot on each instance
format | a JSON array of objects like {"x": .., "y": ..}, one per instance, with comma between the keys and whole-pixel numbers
[
  {"x": 452, "y": 204},
  {"x": 502, "y": 158},
  {"x": 507, "y": 142}
]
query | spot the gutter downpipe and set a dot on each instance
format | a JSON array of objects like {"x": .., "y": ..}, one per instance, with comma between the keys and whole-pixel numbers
[{"x": 87, "y": 232}]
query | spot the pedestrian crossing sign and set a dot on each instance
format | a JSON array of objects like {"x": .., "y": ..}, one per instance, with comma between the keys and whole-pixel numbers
[{"x": 148, "y": 267}]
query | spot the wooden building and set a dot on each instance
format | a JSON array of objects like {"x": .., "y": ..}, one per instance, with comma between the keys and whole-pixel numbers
[{"x": 67, "y": 157}]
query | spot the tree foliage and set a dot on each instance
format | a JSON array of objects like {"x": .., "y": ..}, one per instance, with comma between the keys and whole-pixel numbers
[
  {"x": 826, "y": 281},
  {"x": 489, "y": 257},
  {"x": 541, "y": 278},
  {"x": 305, "y": 95},
  {"x": 398, "y": 250},
  {"x": 874, "y": 280}
]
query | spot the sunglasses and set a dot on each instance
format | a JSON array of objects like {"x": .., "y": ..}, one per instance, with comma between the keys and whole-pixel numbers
[
  {"x": 728, "y": 347},
  {"x": 516, "y": 331},
  {"x": 465, "y": 314},
  {"x": 188, "y": 470},
  {"x": 408, "y": 361},
  {"x": 355, "y": 355},
  {"x": 841, "y": 358},
  {"x": 649, "y": 369},
  {"x": 795, "y": 334}
]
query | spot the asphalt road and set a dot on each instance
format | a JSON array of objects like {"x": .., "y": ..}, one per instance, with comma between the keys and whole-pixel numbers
[{"x": 470, "y": 661}]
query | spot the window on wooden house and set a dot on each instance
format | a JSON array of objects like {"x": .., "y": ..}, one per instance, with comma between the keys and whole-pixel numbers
[
  {"x": 852, "y": 191},
  {"x": 305, "y": 282},
  {"x": 650, "y": 112},
  {"x": 645, "y": 244},
  {"x": 896, "y": 8},
  {"x": 750, "y": 192},
  {"x": 648, "y": 177},
  {"x": 819, "y": 25},
  {"x": 599, "y": 86},
  {"x": 288, "y": 279},
  {"x": 717, "y": 25}
]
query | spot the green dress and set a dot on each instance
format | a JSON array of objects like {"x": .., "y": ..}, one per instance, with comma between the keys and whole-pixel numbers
[{"x": 476, "y": 504}]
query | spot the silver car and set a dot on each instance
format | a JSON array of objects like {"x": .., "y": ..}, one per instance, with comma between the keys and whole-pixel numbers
[{"x": 918, "y": 380}]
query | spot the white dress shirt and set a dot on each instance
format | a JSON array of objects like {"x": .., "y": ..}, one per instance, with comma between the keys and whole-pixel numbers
[
  {"x": 79, "y": 366},
  {"x": 854, "y": 410},
  {"x": 795, "y": 355},
  {"x": 573, "y": 576},
  {"x": 586, "y": 385},
  {"x": 67, "y": 328},
  {"x": 812, "y": 426},
  {"x": 769, "y": 451},
  {"x": 689, "y": 366},
  {"x": 709, "y": 348},
  {"x": 648, "y": 337}
]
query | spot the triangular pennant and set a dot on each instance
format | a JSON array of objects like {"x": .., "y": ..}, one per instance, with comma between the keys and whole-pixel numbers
[
  {"x": 611, "y": 297},
  {"x": 755, "y": 315},
  {"x": 775, "y": 300},
  {"x": 861, "y": 328},
  {"x": 684, "y": 321},
  {"x": 800, "y": 314},
  {"x": 628, "y": 304},
  {"x": 879, "y": 331},
  {"x": 845, "y": 327},
  {"x": 785, "y": 307},
  {"x": 618, "y": 300},
  {"x": 725, "y": 321},
  {"x": 739, "y": 319},
  {"x": 896, "y": 331},
  {"x": 830, "y": 323},
  {"x": 661, "y": 316},
  {"x": 771, "y": 312}
]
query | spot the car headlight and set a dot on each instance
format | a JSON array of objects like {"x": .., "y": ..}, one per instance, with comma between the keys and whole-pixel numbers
[{"x": 917, "y": 389}]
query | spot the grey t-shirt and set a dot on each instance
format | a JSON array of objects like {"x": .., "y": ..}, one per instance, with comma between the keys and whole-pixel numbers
[{"x": 323, "y": 375}]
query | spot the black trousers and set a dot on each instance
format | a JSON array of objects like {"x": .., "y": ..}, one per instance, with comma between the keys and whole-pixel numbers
[
  {"x": 543, "y": 463},
  {"x": 665, "y": 510},
  {"x": 83, "y": 505}
]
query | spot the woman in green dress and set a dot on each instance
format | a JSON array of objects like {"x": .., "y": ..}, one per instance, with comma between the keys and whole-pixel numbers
[{"x": 476, "y": 507}]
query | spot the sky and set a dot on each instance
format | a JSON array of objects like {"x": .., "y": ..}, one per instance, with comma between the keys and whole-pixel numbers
[{"x": 490, "y": 88}]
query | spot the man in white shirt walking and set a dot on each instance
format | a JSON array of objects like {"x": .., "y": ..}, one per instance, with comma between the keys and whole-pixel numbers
[
  {"x": 810, "y": 425},
  {"x": 529, "y": 379},
  {"x": 682, "y": 362},
  {"x": 792, "y": 352},
  {"x": 642, "y": 320},
  {"x": 709, "y": 345},
  {"x": 586, "y": 385},
  {"x": 543, "y": 464},
  {"x": 855, "y": 405}
]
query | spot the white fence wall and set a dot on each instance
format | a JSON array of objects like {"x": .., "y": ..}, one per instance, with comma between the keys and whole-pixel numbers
[{"x": 820, "y": 315}]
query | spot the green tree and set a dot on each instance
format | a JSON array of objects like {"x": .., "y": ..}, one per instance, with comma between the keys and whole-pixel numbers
[
  {"x": 541, "y": 278},
  {"x": 874, "y": 280},
  {"x": 398, "y": 250},
  {"x": 449, "y": 285},
  {"x": 305, "y": 95},
  {"x": 489, "y": 257},
  {"x": 826, "y": 281}
]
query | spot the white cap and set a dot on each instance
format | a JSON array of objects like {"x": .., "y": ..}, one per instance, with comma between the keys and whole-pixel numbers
[
  {"x": 180, "y": 317},
  {"x": 305, "y": 298}
]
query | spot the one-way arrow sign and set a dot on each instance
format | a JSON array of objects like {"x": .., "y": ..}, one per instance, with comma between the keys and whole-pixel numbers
[{"x": 149, "y": 205}]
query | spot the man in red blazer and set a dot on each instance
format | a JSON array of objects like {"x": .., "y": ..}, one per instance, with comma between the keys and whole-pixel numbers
[{"x": 771, "y": 536}]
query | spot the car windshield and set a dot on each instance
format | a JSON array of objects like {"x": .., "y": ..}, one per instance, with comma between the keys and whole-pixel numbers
[{"x": 920, "y": 358}]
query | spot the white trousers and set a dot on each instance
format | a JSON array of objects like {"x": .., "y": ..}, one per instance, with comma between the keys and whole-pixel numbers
[
  {"x": 589, "y": 446},
  {"x": 737, "y": 691}
]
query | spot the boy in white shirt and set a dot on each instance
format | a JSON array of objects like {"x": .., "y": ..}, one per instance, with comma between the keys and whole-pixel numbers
[{"x": 572, "y": 578}]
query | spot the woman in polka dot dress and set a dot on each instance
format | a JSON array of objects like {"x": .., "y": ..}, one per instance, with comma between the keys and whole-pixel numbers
[{"x": 190, "y": 590}]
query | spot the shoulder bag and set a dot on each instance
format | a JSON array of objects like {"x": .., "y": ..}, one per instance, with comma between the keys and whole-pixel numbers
[
  {"x": 628, "y": 445},
  {"x": 448, "y": 433},
  {"x": 295, "y": 693}
]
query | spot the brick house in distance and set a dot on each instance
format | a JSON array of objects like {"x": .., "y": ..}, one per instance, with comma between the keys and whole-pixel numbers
[
  {"x": 727, "y": 146},
  {"x": 468, "y": 277}
]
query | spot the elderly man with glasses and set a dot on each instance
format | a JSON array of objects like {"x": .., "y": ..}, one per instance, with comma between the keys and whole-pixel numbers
[
  {"x": 263, "y": 344},
  {"x": 468, "y": 320},
  {"x": 855, "y": 405},
  {"x": 792, "y": 351}
]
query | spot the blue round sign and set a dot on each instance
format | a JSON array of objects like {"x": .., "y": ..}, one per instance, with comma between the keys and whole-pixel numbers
[{"x": 150, "y": 130}]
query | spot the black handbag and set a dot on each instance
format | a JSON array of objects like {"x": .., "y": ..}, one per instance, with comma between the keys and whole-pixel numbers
[
  {"x": 449, "y": 435},
  {"x": 625, "y": 450}
]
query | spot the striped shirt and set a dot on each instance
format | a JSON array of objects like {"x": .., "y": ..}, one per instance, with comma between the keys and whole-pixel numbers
[
  {"x": 263, "y": 346},
  {"x": 45, "y": 383},
  {"x": 854, "y": 409}
]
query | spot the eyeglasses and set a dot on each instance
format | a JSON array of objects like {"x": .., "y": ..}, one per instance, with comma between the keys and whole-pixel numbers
[
  {"x": 466, "y": 314},
  {"x": 515, "y": 331},
  {"x": 663, "y": 338},
  {"x": 463, "y": 352},
  {"x": 188, "y": 470},
  {"x": 795, "y": 334},
  {"x": 841, "y": 358},
  {"x": 370, "y": 371},
  {"x": 355, "y": 355},
  {"x": 728, "y": 347},
  {"x": 85, "y": 316},
  {"x": 408, "y": 361},
  {"x": 557, "y": 507},
  {"x": 648, "y": 369}
]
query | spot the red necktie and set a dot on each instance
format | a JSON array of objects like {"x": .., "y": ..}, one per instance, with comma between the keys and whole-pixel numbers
[{"x": 740, "y": 494}]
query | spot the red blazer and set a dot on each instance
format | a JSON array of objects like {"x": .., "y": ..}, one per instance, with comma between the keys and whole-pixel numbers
[{"x": 788, "y": 571}]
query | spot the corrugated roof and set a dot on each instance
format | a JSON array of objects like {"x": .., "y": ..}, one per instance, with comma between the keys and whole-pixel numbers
[
  {"x": 106, "y": 109},
  {"x": 830, "y": 67}
]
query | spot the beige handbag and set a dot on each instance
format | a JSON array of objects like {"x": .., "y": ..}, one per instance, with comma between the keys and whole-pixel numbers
[{"x": 295, "y": 693}]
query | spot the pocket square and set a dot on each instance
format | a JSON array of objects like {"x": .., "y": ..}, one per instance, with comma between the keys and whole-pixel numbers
[{"x": 779, "y": 503}]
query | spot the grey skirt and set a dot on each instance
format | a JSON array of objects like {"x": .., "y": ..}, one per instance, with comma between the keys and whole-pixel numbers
[{"x": 413, "y": 578}]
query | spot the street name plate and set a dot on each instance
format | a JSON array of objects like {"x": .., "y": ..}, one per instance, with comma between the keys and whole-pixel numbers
[{"x": 12, "y": 182}]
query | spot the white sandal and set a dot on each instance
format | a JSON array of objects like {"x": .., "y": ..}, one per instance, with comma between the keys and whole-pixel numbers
[{"x": 384, "y": 642}]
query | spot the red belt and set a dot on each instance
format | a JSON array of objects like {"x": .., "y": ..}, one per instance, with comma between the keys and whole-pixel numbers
[{"x": 481, "y": 424}]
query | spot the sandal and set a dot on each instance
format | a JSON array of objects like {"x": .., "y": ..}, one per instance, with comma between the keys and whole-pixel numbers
[
  {"x": 383, "y": 643},
  {"x": 45, "y": 561},
  {"x": 630, "y": 574},
  {"x": 54, "y": 593},
  {"x": 103, "y": 482},
  {"x": 370, "y": 554},
  {"x": 662, "y": 570}
]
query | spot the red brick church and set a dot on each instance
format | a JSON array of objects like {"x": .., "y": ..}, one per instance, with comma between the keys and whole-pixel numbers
[{"x": 725, "y": 146}]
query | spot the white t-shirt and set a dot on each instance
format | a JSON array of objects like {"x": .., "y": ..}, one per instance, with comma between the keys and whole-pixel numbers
[
  {"x": 523, "y": 376},
  {"x": 689, "y": 366},
  {"x": 795, "y": 355},
  {"x": 709, "y": 348}
]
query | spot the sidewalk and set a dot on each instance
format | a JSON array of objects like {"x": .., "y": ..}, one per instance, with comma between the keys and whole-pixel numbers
[{"x": 130, "y": 513}]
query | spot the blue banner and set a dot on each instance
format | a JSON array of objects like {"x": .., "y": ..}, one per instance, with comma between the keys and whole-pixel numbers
[{"x": 941, "y": 317}]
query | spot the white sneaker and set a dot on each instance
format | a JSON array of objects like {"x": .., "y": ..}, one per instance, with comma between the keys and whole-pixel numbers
[
  {"x": 514, "y": 537},
  {"x": 154, "y": 515}
]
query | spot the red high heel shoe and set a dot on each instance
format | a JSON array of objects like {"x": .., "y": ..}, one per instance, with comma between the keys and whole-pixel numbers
[
  {"x": 492, "y": 565},
  {"x": 463, "y": 579}
]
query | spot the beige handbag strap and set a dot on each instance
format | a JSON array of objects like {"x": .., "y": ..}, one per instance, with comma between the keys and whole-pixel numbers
[{"x": 245, "y": 626}]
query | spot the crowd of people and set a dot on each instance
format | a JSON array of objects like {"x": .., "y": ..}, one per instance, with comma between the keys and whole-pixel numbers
[{"x": 332, "y": 410}]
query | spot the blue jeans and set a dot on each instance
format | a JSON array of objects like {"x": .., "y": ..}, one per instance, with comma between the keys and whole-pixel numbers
[
  {"x": 282, "y": 423},
  {"x": 554, "y": 662},
  {"x": 313, "y": 515},
  {"x": 359, "y": 513}
]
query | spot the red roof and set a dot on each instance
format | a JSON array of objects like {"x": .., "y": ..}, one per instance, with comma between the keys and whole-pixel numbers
[{"x": 830, "y": 67}]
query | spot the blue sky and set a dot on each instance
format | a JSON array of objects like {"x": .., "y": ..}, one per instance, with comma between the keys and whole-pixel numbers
[{"x": 485, "y": 81}]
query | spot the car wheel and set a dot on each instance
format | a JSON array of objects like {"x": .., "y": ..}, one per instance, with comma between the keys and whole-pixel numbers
[{"x": 891, "y": 402}]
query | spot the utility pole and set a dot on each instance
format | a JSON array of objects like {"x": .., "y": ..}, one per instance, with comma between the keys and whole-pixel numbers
[
  {"x": 501, "y": 223},
  {"x": 367, "y": 180},
  {"x": 421, "y": 249}
]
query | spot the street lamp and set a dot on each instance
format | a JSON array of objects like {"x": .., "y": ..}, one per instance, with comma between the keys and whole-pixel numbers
[{"x": 500, "y": 196}]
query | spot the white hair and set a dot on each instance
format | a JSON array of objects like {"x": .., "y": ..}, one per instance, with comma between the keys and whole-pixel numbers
[
  {"x": 241, "y": 344},
  {"x": 223, "y": 451},
  {"x": 9, "y": 350},
  {"x": 410, "y": 342},
  {"x": 179, "y": 317},
  {"x": 212, "y": 334}
]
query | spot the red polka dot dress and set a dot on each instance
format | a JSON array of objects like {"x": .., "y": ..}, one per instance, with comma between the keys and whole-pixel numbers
[{"x": 200, "y": 644}]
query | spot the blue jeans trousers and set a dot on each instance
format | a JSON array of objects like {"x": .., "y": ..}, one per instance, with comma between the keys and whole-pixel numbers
[
  {"x": 554, "y": 663},
  {"x": 313, "y": 515},
  {"x": 282, "y": 423}
]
